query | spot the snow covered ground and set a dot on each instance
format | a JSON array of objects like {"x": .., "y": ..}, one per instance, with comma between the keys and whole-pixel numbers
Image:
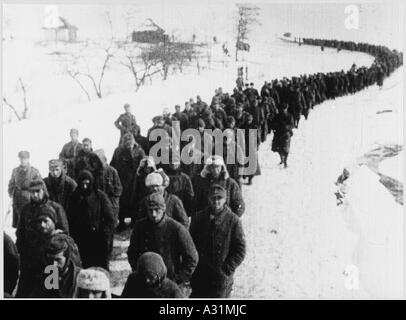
[{"x": 299, "y": 242}]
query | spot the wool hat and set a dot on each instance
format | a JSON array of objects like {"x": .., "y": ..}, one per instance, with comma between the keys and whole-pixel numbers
[
  {"x": 151, "y": 262},
  {"x": 154, "y": 179},
  {"x": 37, "y": 185},
  {"x": 215, "y": 160},
  {"x": 94, "y": 279},
  {"x": 165, "y": 178},
  {"x": 55, "y": 163},
  {"x": 217, "y": 190},
  {"x": 156, "y": 201},
  {"x": 57, "y": 244},
  {"x": 46, "y": 211},
  {"x": 24, "y": 154}
]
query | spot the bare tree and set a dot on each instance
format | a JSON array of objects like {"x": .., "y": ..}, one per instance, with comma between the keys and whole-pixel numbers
[
  {"x": 246, "y": 19},
  {"x": 21, "y": 87},
  {"x": 88, "y": 77},
  {"x": 140, "y": 64}
]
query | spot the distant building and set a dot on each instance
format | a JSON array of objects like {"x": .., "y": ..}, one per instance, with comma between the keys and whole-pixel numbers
[
  {"x": 64, "y": 32},
  {"x": 149, "y": 32}
]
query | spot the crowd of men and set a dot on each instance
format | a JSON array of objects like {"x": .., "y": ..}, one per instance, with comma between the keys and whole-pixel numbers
[{"x": 187, "y": 238}]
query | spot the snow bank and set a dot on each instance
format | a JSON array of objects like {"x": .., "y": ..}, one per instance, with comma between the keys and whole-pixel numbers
[
  {"x": 378, "y": 220},
  {"x": 393, "y": 167}
]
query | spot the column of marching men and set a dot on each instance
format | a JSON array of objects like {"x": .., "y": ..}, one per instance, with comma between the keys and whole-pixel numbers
[{"x": 186, "y": 235}]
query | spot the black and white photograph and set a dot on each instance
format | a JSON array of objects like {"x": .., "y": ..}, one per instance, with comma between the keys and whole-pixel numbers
[{"x": 238, "y": 150}]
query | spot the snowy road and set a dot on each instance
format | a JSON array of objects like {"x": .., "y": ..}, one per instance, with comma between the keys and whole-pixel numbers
[{"x": 299, "y": 242}]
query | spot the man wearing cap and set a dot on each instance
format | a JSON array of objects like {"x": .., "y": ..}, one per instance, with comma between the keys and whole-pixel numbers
[
  {"x": 219, "y": 238},
  {"x": 21, "y": 178},
  {"x": 29, "y": 233},
  {"x": 157, "y": 182},
  {"x": 163, "y": 235},
  {"x": 69, "y": 151},
  {"x": 93, "y": 283},
  {"x": 126, "y": 123},
  {"x": 60, "y": 251},
  {"x": 215, "y": 172},
  {"x": 60, "y": 186},
  {"x": 126, "y": 160},
  {"x": 91, "y": 221}
]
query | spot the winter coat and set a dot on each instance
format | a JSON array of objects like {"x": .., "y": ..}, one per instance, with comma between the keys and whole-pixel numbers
[
  {"x": 126, "y": 163},
  {"x": 81, "y": 162},
  {"x": 107, "y": 180},
  {"x": 30, "y": 244},
  {"x": 169, "y": 239},
  {"x": 126, "y": 123},
  {"x": 174, "y": 209},
  {"x": 67, "y": 285},
  {"x": 68, "y": 154},
  {"x": 60, "y": 190},
  {"x": 220, "y": 243},
  {"x": 92, "y": 224},
  {"x": 18, "y": 189},
  {"x": 283, "y": 124},
  {"x": 204, "y": 181},
  {"x": 181, "y": 186},
  {"x": 11, "y": 264}
]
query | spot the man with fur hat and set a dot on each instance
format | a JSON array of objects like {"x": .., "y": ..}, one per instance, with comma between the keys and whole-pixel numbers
[
  {"x": 106, "y": 179},
  {"x": 31, "y": 233},
  {"x": 92, "y": 222},
  {"x": 93, "y": 283},
  {"x": 21, "y": 178},
  {"x": 69, "y": 152},
  {"x": 126, "y": 160},
  {"x": 215, "y": 172},
  {"x": 157, "y": 182},
  {"x": 219, "y": 238},
  {"x": 150, "y": 280},
  {"x": 163, "y": 235},
  {"x": 60, "y": 186},
  {"x": 60, "y": 251}
]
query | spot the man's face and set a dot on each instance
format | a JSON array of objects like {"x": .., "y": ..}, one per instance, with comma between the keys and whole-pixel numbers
[
  {"x": 155, "y": 214},
  {"x": 74, "y": 136},
  {"x": 215, "y": 170},
  {"x": 177, "y": 109},
  {"x": 87, "y": 146},
  {"x": 58, "y": 260},
  {"x": 45, "y": 226},
  {"x": 94, "y": 164},
  {"x": 37, "y": 195},
  {"x": 85, "y": 185},
  {"x": 90, "y": 294},
  {"x": 129, "y": 143},
  {"x": 24, "y": 162},
  {"x": 127, "y": 109},
  {"x": 217, "y": 203},
  {"x": 156, "y": 188},
  {"x": 150, "y": 279},
  {"x": 55, "y": 172},
  {"x": 161, "y": 122},
  {"x": 187, "y": 105}
]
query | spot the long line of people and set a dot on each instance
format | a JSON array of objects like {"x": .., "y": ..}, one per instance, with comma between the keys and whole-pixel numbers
[{"x": 187, "y": 238}]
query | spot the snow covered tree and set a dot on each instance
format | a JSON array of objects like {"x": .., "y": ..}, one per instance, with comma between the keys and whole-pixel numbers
[{"x": 247, "y": 17}]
